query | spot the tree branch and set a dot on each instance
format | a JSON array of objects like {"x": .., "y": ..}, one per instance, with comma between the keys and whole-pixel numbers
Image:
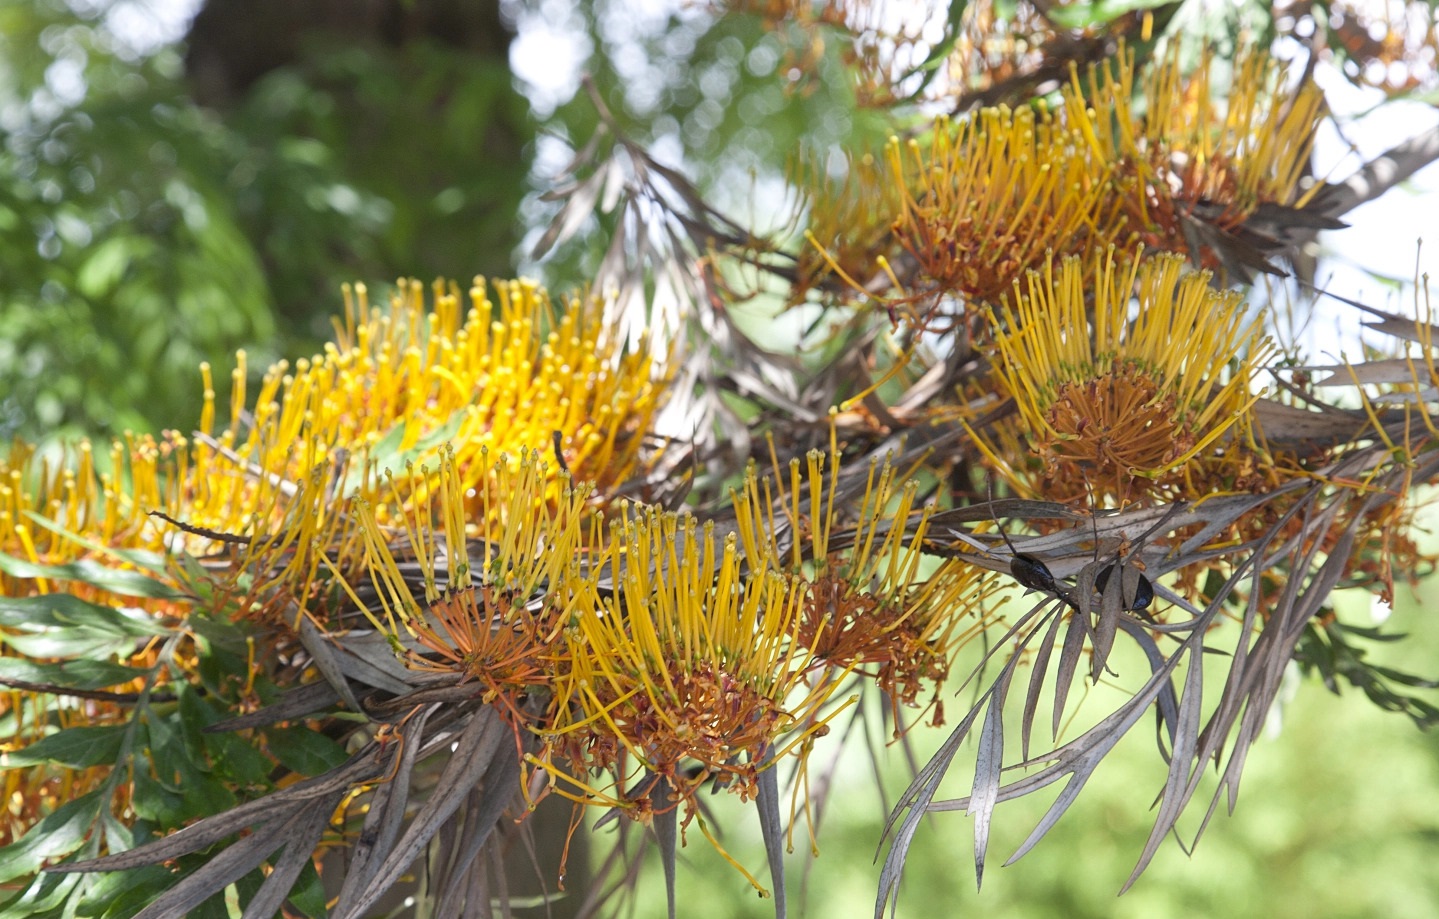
[{"x": 1385, "y": 171}]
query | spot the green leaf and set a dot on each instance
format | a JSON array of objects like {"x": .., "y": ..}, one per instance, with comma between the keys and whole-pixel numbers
[
  {"x": 67, "y": 643},
  {"x": 388, "y": 446},
  {"x": 133, "y": 890},
  {"x": 68, "y": 610},
  {"x": 57, "y": 835},
  {"x": 308, "y": 894},
  {"x": 46, "y": 896},
  {"x": 62, "y": 625},
  {"x": 1373, "y": 633},
  {"x": 238, "y": 761},
  {"x": 249, "y": 885},
  {"x": 73, "y": 674},
  {"x": 1405, "y": 679},
  {"x": 204, "y": 794},
  {"x": 152, "y": 562},
  {"x": 152, "y": 801},
  {"x": 176, "y": 751},
  {"x": 194, "y": 579},
  {"x": 219, "y": 633},
  {"x": 78, "y": 748},
  {"x": 386, "y": 453},
  {"x": 232, "y": 758},
  {"x": 102, "y": 271},
  {"x": 88, "y": 571},
  {"x": 195, "y": 716},
  {"x": 305, "y": 751}
]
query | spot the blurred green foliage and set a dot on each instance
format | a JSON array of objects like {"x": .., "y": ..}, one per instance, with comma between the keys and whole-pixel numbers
[
  {"x": 733, "y": 99},
  {"x": 732, "y": 95},
  {"x": 365, "y": 163},
  {"x": 141, "y": 230},
  {"x": 118, "y": 246}
]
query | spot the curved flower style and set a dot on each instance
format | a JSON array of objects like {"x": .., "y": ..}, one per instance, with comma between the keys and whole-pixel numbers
[
  {"x": 499, "y": 625},
  {"x": 401, "y": 596},
  {"x": 500, "y": 378},
  {"x": 1192, "y": 174},
  {"x": 689, "y": 657},
  {"x": 666, "y": 656},
  {"x": 56, "y": 509},
  {"x": 504, "y": 376},
  {"x": 869, "y": 605},
  {"x": 73, "y": 493},
  {"x": 274, "y": 490},
  {"x": 1111, "y": 403},
  {"x": 700, "y": 658},
  {"x": 991, "y": 196},
  {"x": 848, "y": 220}
]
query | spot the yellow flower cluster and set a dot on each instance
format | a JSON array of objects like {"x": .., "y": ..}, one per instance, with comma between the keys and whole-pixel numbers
[
  {"x": 53, "y": 503},
  {"x": 1187, "y": 158},
  {"x": 848, "y": 218},
  {"x": 671, "y": 654},
  {"x": 276, "y": 491},
  {"x": 985, "y": 199},
  {"x": 990, "y": 197},
  {"x": 872, "y": 605},
  {"x": 1106, "y": 397}
]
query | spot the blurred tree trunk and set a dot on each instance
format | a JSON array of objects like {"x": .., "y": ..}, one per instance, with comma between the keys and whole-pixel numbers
[
  {"x": 233, "y": 43},
  {"x": 405, "y": 114}
]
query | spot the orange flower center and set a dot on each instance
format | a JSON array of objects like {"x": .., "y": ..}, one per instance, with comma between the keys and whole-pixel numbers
[
  {"x": 1116, "y": 426},
  {"x": 709, "y": 716},
  {"x": 848, "y": 628}
]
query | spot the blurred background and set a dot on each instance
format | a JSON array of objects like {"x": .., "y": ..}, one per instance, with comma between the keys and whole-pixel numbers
[{"x": 183, "y": 178}]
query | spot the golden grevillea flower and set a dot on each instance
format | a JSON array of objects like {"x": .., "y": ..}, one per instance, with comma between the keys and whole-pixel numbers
[
  {"x": 1193, "y": 169},
  {"x": 102, "y": 499},
  {"x": 274, "y": 490},
  {"x": 1397, "y": 388},
  {"x": 499, "y": 377},
  {"x": 870, "y": 606},
  {"x": 54, "y": 509},
  {"x": 702, "y": 658},
  {"x": 990, "y": 196},
  {"x": 667, "y": 659},
  {"x": 502, "y": 376},
  {"x": 848, "y": 220},
  {"x": 1116, "y": 404},
  {"x": 498, "y": 618},
  {"x": 688, "y": 667}
]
